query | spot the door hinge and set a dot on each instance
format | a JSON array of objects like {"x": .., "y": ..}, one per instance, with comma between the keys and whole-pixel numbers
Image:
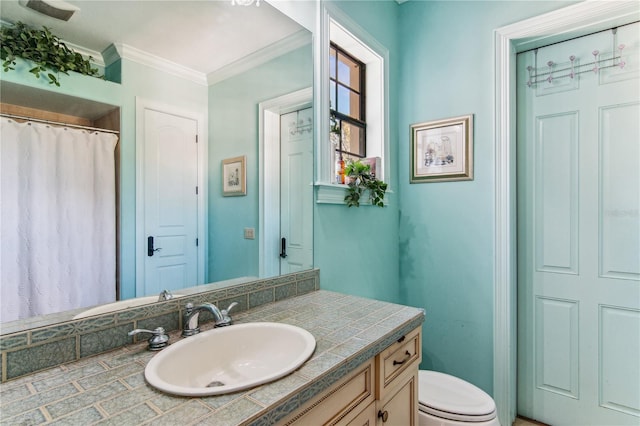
[
  {"x": 196, "y": 138},
  {"x": 196, "y": 190},
  {"x": 196, "y": 242}
]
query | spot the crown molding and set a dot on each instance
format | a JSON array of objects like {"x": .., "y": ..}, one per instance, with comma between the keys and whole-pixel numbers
[
  {"x": 96, "y": 57},
  {"x": 123, "y": 51},
  {"x": 294, "y": 41}
]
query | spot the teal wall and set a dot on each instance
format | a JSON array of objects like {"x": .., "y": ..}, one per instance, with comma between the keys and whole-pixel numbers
[
  {"x": 446, "y": 229},
  {"x": 233, "y": 131},
  {"x": 137, "y": 81},
  {"x": 356, "y": 249}
]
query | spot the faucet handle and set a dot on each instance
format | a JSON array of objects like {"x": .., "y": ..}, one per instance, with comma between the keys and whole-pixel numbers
[
  {"x": 165, "y": 295},
  {"x": 157, "y": 341},
  {"x": 229, "y": 308},
  {"x": 226, "y": 318}
]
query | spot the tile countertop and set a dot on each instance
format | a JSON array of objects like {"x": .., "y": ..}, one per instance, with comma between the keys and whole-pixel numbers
[{"x": 110, "y": 388}]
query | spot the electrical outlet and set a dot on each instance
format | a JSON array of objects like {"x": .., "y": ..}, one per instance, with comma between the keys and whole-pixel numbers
[{"x": 249, "y": 233}]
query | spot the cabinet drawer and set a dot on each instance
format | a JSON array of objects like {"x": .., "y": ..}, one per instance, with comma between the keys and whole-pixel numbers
[
  {"x": 397, "y": 358},
  {"x": 341, "y": 402}
]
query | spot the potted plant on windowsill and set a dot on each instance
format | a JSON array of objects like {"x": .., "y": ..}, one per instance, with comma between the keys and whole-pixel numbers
[{"x": 360, "y": 180}]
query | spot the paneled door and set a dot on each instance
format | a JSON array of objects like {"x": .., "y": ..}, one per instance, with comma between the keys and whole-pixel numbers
[
  {"x": 170, "y": 201},
  {"x": 579, "y": 231},
  {"x": 296, "y": 191}
]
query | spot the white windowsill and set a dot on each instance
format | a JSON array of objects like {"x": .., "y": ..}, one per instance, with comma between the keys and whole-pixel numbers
[{"x": 333, "y": 193}]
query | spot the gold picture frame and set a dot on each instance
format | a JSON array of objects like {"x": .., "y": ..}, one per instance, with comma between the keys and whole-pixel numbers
[
  {"x": 442, "y": 150},
  {"x": 234, "y": 176}
]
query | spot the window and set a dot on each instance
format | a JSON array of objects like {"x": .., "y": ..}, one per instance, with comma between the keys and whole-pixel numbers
[
  {"x": 355, "y": 73},
  {"x": 347, "y": 105}
]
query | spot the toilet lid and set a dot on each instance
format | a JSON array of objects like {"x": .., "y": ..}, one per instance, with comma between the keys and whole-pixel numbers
[{"x": 452, "y": 398}]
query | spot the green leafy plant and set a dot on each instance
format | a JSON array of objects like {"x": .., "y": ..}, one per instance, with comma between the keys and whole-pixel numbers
[
  {"x": 49, "y": 54},
  {"x": 361, "y": 180}
]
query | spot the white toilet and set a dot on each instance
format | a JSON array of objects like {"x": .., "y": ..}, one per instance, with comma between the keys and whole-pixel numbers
[{"x": 445, "y": 400}]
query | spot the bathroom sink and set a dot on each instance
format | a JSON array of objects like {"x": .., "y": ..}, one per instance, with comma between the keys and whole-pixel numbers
[
  {"x": 122, "y": 304},
  {"x": 229, "y": 359}
]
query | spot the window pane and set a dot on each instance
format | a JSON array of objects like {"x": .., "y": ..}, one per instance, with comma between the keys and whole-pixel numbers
[
  {"x": 348, "y": 102},
  {"x": 349, "y": 158},
  {"x": 348, "y": 72},
  {"x": 353, "y": 139},
  {"x": 332, "y": 63}
]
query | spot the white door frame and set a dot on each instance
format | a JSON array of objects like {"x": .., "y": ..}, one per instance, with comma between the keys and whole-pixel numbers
[
  {"x": 141, "y": 239},
  {"x": 269, "y": 175},
  {"x": 575, "y": 20}
]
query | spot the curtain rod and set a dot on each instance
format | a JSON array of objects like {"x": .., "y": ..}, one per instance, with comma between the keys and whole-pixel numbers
[{"x": 56, "y": 123}]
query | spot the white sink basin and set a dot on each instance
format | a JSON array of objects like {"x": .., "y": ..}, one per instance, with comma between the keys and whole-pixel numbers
[{"x": 229, "y": 359}]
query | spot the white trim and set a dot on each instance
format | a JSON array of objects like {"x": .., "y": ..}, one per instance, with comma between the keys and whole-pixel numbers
[
  {"x": 259, "y": 57},
  {"x": 200, "y": 118},
  {"x": 131, "y": 53},
  {"x": 96, "y": 57},
  {"x": 571, "y": 21},
  {"x": 329, "y": 193},
  {"x": 269, "y": 176}
]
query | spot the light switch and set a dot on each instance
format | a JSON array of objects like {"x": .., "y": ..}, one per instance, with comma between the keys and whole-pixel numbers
[{"x": 249, "y": 233}]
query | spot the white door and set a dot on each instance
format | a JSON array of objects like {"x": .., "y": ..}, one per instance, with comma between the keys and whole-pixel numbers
[
  {"x": 579, "y": 233},
  {"x": 296, "y": 191},
  {"x": 170, "y": 202}
]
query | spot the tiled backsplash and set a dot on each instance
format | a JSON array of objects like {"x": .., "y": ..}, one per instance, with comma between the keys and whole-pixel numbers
[{"x": 39, "y": 348}]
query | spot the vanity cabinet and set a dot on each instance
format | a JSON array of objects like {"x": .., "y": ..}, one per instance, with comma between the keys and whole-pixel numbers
[{"x": 383, "y": 391}]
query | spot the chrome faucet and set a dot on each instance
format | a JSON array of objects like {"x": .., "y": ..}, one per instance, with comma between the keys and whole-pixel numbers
[
  {"x": 159, "y": 338},
  {"x": 191, "y": 317},
  {"x": 165, "y": 295}
]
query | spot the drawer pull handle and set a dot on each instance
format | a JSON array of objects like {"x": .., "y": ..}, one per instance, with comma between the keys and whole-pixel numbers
[
  {"x": 400, "y": 340},
  {"x": 384, "y": 415},
  {"x": 407, "y": 355}
]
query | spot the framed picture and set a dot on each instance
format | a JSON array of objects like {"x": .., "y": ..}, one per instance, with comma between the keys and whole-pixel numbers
[
  {"x": 442, "y": 150},
  {"x": 234, "y": 176}
]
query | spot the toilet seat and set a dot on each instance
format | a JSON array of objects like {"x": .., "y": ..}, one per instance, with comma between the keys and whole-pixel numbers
[{"x": 451, "y": 398}]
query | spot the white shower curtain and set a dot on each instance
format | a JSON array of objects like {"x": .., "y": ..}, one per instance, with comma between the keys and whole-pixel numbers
[{"x": 58, "y": 235}]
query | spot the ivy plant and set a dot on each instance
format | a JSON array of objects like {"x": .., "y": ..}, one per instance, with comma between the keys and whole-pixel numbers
[
  {"x": 361, "y": 180},
  {"x": 45, "y": 50}
]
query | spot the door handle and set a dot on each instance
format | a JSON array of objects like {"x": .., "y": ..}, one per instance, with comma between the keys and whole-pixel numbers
[
  {"x": 150, "y": 249},
  {"x": 283, "y": 248}
]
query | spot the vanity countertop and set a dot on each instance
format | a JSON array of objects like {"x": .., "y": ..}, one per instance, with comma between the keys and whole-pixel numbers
[{"x": 110, "y": 388}]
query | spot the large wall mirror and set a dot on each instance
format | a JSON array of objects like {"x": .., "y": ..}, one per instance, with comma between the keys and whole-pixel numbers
[{"x": 245, "y": 75}]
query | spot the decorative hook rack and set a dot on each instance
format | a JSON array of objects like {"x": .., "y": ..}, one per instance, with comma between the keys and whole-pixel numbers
[
  {"x": 548, "y": 74},
  {"x": 299, "y": 127}
]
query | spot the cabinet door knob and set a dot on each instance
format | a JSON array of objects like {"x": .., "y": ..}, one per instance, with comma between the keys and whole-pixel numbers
[{"x": 384, "y": 415}]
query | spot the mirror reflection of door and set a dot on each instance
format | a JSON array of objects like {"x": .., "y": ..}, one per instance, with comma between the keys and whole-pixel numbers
[
  {"x": 170, "y": 202},
  {"x": 296, "y": 190}
]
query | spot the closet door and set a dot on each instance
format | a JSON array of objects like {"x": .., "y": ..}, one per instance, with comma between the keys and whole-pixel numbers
[{"x": 579, "y": 232}]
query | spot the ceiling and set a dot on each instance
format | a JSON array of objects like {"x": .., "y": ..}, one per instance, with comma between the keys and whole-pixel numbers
[{"x": 203, "y": 36}]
